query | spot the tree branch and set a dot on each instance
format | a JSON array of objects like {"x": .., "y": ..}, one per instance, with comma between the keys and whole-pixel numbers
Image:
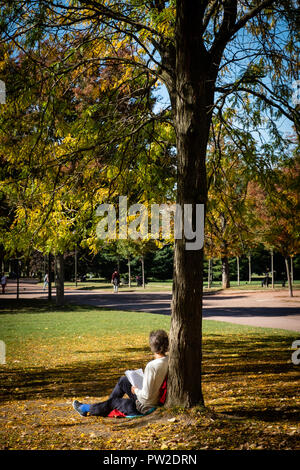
[
  {"x": 236, "y": 89},
  {"x": 251, "y": 14},
  {"x": 229, "y": 27}
]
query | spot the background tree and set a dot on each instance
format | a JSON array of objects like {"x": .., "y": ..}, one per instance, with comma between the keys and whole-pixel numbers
[
  {"x": 277, "y": 206},
  {"x": 228, "y": 224},
  {"x": 57, "y": 189}
]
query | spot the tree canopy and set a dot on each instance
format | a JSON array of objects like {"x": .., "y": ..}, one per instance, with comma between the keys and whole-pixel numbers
[{"x": 89, "y": 107}]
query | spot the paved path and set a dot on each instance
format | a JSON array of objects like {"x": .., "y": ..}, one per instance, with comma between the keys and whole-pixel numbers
[{"x": 272, "y": 309}]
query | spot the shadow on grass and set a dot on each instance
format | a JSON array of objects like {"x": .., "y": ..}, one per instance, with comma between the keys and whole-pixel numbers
[
  {"x": 243, "y": 366},
  {"x": 249, "y": 311},
  {"x": 89, "y": 378},
  {"x": 100, "y": 287},
  {"x": 271, "y": 414},
  {"x": 144, "y": 349},
  {"x": 254, "y": 354},
  {"x": 13, "y": 306},
  {"x": 263, "y": 361},
  {"x": 254, "y": 368}
]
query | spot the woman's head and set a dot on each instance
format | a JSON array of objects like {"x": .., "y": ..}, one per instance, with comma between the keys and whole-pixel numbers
[{"x": 159, "y": 341}]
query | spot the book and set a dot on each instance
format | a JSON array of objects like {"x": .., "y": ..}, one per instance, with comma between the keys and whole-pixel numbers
[{"x": 135, "y": 377}]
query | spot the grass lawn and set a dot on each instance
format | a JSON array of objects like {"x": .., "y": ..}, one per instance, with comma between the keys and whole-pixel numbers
[{"x": 250, "y": 385}]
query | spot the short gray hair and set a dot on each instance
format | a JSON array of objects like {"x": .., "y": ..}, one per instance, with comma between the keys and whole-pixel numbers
[{"x": 159, "y": 341}]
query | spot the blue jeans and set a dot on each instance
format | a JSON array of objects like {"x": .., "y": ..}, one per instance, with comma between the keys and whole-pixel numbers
[{"x": 116, "y": 401}]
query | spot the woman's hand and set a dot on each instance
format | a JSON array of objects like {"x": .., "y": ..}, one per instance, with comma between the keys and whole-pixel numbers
[{"x": 133, "y": 389}]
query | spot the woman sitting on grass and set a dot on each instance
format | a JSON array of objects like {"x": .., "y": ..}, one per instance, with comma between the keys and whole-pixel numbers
[{"x": 140, "y": 401}]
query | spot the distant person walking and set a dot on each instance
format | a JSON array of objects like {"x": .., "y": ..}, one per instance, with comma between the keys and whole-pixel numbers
[
  {"x": 266, "y": 280},
  {"x": 3, "y": 282},
  {"x": 115, "y": 280},
  {"x": 46, "y": 281}
]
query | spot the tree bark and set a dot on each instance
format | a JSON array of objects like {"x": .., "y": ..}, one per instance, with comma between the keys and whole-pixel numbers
[
  {"x": 75, "y": 265},
  {"x": 225, "y": 273},
  {"x": 18, "y": 279},
  {"x": 209, "y": 274},
  {"x": 129, "y": 273},
  {"x": 272, "y": 268},
  {"x": 194, "y": 98},
  {"x": 238, "y": 269},
  {"x": 249, "y": 268},
  {"x": 143, "y": 271},
  {"x": 49, "y": 278},
  {"x": 288, "y": 276},
  {"x": 60, "y": 279}
]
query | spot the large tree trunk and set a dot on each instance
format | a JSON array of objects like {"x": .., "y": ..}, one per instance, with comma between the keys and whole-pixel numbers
[
  {"x": 225, "y": 273},
  {"x": 192, "y": 115}
]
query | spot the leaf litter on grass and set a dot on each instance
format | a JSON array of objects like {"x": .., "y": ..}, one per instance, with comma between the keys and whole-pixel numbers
[{"x": 250, "y": 386}]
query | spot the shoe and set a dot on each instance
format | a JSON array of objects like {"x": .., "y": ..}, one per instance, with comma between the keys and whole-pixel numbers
[{"x": 77, "y": 407}]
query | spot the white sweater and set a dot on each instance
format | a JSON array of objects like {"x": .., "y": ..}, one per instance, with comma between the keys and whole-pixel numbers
[{"x": 154, "y": 375}]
